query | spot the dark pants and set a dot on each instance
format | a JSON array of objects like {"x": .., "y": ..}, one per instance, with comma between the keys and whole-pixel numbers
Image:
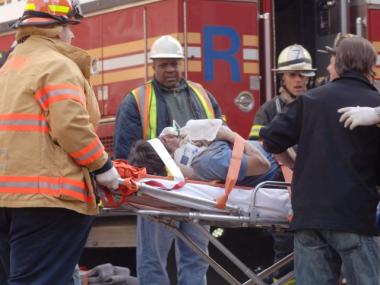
[
  {"x": 43, "y": 244},
  {"x": 283, "y": 246}
]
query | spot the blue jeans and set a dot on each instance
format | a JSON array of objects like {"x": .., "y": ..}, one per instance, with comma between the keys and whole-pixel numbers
[
  {"x": 320, "y": 255},
  {"x": 45, "y": 244},
  {"x": 154, "y": 241}
]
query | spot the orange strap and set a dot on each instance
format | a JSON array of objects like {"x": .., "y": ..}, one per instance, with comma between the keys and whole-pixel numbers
[
  {"x": 233, "y": 170},
  {"x": 288, "y": 176},
  {"x": 129, "y": 174}
]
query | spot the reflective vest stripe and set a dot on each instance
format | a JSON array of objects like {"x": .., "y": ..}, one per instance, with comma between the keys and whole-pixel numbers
[
  {"x": 153, "y": 116},
  {"x": 30, "y": 7},
  {"x": 59, "y": 8},
  {"x": 52, "y": 186},
  {"x": 90, "y": 153},
  {"x": 23, "y": 122},
  {"x": 255, "y": 131},
  {"x": 203, "y": 98},
  {"x": 54, "y": 93},
  {"x": 147, "y": 105}
]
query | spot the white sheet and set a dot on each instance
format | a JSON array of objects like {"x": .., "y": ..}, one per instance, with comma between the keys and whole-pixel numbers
[{"x": 264, "y": 204}]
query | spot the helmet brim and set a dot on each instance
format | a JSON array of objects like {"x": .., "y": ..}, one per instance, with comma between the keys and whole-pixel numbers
[
  {"x": 157, "y": 56},
  {"x": 328, "y": 50},
  {"x": 306, "y": 73}
]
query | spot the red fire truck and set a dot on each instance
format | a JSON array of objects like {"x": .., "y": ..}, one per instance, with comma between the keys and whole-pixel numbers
[{"x": 231, "y": 47}]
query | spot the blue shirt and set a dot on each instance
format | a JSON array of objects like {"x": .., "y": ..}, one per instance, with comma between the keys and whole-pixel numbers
[{"x": 213, "y": 164}]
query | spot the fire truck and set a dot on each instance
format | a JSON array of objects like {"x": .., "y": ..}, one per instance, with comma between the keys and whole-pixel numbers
[{"x": 231, "y": 47}]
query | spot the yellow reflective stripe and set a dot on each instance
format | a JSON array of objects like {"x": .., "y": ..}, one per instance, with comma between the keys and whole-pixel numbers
[
  {"x": 152, "y": 114},
  {"x": 59, "y": 8},
  {"x": 147, "y": 107},
  {"x": 30, "y": 7},
  {"x": 205, "y": 102},
  {"x": 255, "y": 131}
]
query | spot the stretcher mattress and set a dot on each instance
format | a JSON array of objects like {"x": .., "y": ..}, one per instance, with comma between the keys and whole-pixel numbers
[{"x": 261, "y": 204}]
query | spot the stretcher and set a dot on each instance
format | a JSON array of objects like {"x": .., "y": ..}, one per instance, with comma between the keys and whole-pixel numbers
[{"x": 169, "y": 200}]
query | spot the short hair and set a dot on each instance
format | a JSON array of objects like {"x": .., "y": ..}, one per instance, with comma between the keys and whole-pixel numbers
[
  {"x": 355, "y": 53},
  {"x": 142, "y": 154}
]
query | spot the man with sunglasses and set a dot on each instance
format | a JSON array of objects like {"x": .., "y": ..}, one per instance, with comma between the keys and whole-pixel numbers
[{"x": 48, "y": 148}]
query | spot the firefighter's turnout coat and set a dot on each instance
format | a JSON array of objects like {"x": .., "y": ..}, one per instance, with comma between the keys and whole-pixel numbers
[{"x": 48, "y": 115}]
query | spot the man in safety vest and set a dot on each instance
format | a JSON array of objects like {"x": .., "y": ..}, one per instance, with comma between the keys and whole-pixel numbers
[
  {"x": 143, "y": 114},
  {"x": 295, "y": 67},
  {"x": 48, "y": 147}
]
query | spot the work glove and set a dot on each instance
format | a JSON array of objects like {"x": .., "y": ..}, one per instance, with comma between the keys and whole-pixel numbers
[
  {"x": 358, "y": 116},
  {"x": 107, "y": 274},
  {"x": 109, "y": 179}
]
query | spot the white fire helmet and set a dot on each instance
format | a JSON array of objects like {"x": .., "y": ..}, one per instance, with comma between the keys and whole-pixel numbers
[
  {"x": 166, "y": 47},
  {"x": 295, "y": 58}
]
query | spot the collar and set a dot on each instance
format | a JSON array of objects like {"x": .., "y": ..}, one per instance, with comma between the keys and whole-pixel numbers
[
  {"x": 180, "y": 86},
  {"x": 352, "y": 74},
  {"x": 50, "y": 36}
]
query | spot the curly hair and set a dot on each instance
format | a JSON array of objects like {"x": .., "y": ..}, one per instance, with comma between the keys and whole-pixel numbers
[{"x": 142, "y": 154}]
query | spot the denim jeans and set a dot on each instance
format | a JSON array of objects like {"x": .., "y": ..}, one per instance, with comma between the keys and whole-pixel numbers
[
  {"x": 320, "y": 255},
  {"x": 154, "y": 241}
]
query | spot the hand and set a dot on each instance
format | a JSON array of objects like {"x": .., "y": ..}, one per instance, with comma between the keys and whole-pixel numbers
[
  {"x": 226, "y": 134},
  {"x": 109, "y": 179},
  {"x": 171, "y": 142},
  {"x": 358, "y": 116}
]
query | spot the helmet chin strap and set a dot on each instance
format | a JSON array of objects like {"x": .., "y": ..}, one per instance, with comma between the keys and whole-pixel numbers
[{"x": 290, "y": 93}]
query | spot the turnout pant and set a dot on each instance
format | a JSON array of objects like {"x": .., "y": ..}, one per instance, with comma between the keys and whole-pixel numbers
[{"x": 44, "y": 244}]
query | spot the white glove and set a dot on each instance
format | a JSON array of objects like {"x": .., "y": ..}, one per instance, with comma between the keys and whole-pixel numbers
[
  {"x": 109, "y": 179},
  {"x": 358, "y": 116}
]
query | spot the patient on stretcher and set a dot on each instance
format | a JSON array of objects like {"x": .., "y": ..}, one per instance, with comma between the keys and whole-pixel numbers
[{"x": 209, "y": 161}]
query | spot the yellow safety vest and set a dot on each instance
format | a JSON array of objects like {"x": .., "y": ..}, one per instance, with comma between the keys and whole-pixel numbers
[{"x": 147, "y": 104}]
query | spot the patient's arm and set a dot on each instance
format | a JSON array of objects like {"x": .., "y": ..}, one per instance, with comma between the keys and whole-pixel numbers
[
  {"x": 257, "y": 163},
  {"x": 287, "y": 158}
]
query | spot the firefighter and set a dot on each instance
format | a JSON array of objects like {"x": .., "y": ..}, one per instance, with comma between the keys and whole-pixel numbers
[
  {"x": 295, "y": 67},
  {"x": 143, "y": 114},
  {"x": 49, "y": 148},
  {"x": 335, "y": 174}
]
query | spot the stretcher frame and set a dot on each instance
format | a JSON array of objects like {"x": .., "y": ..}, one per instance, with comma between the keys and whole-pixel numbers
[{"x": 168, "y": 214}]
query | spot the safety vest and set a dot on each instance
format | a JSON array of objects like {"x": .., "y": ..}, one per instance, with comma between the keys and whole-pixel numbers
[{"x": 147, "y": 105}]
